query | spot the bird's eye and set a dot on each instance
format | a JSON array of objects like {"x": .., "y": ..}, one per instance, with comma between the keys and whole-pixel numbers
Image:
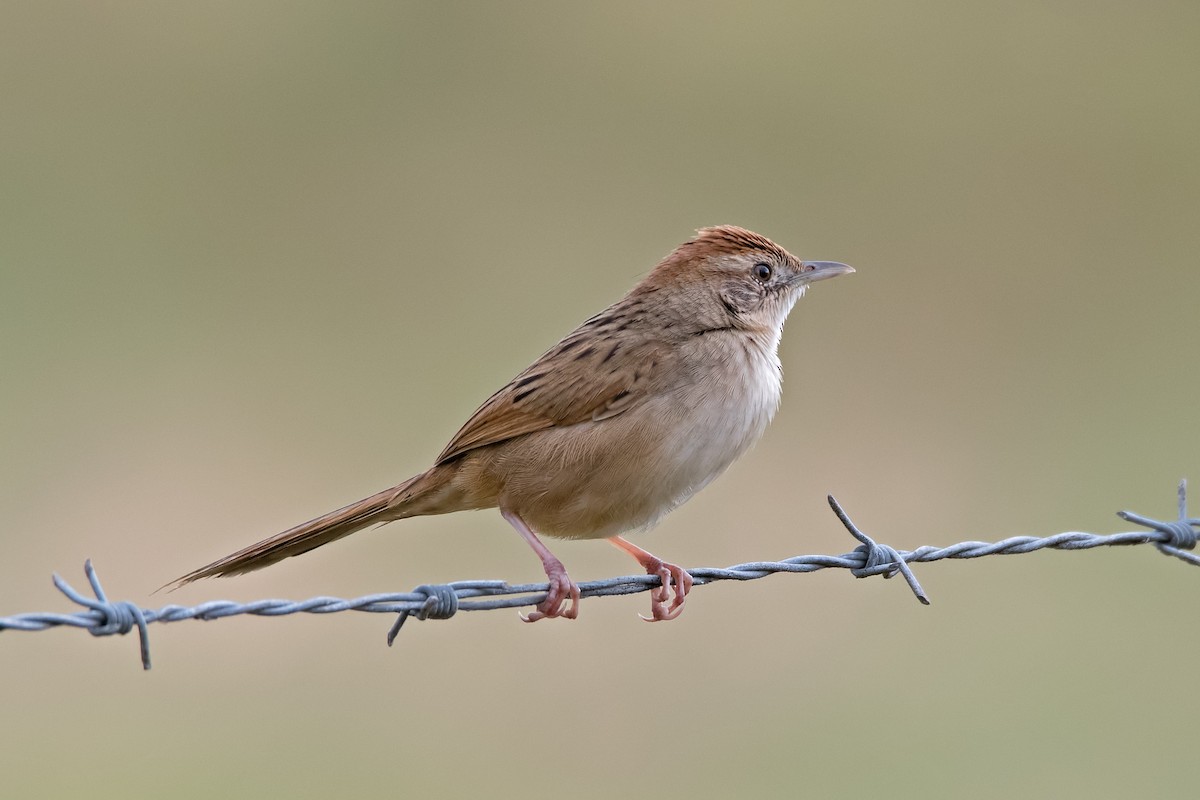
[{"x": 762, "y": 272}]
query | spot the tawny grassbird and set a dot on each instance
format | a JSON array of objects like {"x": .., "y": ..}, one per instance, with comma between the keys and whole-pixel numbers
[{"x": 636, "y": 410}]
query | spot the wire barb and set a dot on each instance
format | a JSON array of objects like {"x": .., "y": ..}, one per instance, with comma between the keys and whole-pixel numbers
[
  {"x": 108, "y": 618},
  {"x": 1181, "y": 534},
  {"x": 878, "y": 558},
  {"x": 441, "y": 602},
  {"x": 101, "y": 617}
]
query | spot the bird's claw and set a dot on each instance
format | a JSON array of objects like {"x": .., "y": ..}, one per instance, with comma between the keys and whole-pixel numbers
[
  {"x": 561, "y": 589},
  {"x": 667, "y": 574}
]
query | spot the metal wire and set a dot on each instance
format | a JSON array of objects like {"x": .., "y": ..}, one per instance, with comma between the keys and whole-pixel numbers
[{"x": 101, "y": 617}]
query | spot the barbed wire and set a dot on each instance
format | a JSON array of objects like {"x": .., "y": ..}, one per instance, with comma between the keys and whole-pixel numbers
[{"x": 102, "y": 617}]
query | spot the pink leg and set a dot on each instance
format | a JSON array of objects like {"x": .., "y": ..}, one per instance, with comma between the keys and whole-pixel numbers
[
  {"x": 659, "y": 610},
  {"x": 561, "y": 585}
]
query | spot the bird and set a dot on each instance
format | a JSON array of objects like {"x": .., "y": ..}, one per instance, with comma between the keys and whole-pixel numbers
[{"x": 624, "y": 419}]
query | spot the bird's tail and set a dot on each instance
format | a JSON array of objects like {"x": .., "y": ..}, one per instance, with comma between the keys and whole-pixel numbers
[{"x": 416, "y": 496}]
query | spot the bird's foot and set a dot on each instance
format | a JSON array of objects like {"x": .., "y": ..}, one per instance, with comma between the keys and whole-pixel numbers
[
  {"x": 561, "y": 589},
  {"x": 669, "y": 574},
  {"x": 560, "y": 586}
]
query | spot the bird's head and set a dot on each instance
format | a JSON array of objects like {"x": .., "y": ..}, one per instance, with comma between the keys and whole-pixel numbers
[{"x": 733, "y": 277}]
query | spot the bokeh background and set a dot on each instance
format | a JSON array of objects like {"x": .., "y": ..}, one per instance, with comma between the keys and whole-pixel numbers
[{"x": 258, "y": 260}]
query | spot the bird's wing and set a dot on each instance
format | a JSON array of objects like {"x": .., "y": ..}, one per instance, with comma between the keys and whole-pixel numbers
[{"x": 584, "y": 377}]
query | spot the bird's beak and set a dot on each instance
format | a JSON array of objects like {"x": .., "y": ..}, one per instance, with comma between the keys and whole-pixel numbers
[{"x": 820, "y": 270}]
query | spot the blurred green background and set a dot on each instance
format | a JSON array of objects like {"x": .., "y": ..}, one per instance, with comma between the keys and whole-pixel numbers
[{"x": 258, "y": 260}]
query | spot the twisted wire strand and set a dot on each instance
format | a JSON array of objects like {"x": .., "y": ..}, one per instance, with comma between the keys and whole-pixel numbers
[{"x": 101, "y": 617}]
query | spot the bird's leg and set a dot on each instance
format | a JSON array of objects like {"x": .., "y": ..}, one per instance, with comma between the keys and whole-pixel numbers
[
  {"x": 561, "y": 585},
  {"x": 659, "y": 610}
]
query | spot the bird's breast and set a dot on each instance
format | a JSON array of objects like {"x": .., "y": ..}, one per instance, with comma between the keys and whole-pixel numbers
[
  {"x": 724, "y": 410},
  {"x": 602, "y": 478}
]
